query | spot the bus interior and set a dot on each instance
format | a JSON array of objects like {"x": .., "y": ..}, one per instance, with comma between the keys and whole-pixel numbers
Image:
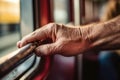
[{"x": 21, "y": 17}]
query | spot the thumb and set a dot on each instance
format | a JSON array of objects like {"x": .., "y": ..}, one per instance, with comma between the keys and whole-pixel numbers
[{"x": 46, "y": 49}]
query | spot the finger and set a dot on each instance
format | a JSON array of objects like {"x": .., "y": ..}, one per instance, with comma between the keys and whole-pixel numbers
[
  {"x": 29, "y": 38},
  {"x": 18, "y": 44},
  {"x": 40, "y": 34},
  {"x": 46, "y": 49}
]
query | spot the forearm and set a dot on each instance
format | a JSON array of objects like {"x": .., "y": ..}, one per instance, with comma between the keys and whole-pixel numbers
[{"x": 104, "y": 36}]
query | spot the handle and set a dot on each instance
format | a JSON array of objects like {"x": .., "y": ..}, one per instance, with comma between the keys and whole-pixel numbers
[{"x": 10, "y": 61}]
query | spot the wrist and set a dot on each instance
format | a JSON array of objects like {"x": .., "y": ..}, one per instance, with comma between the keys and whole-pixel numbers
[
  {"x": 91, "y": 34},
  {"x": 103, "y": 36}
]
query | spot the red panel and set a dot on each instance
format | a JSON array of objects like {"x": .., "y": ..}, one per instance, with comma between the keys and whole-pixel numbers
[
  {"x": 62, "y": 67},
  {"x": 71, "y": 4},
  {"x": 45, "y": 70},
  {"x": 45, "y": 12}
]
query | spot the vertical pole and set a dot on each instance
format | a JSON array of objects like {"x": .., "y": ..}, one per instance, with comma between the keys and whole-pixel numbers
[
  {"x": 77, "y": 20},
  {"x": 79, "y": 14}
]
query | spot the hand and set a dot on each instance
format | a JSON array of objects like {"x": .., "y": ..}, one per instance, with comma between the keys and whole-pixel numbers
[{"x": 67, "y": 41}]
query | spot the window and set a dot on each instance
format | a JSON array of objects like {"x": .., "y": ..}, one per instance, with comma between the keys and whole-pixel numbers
[
  {"x": 9, "y": 25},
  {"x": 16, "y": 19},
  {"x": 61, "y": 11}
]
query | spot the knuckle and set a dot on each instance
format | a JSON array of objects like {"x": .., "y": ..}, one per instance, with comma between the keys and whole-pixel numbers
[
  {"x": 24, "y": 41},
  {"x": 47, "y": 50},
  {"x": 52, "y": 26},
  {"x": 37, "y": 52},
  {"x": 51, "y": 23},
  {"x": 33, "y": 33}
]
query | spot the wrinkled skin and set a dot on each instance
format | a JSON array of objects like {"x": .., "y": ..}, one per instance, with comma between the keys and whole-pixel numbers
[
  {"x": 67, "y": 41},
  {"x": 73, "y": 40}
]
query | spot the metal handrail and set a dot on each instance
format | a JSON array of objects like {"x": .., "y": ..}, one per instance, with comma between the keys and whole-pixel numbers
[{"x": 10, "y": 61}]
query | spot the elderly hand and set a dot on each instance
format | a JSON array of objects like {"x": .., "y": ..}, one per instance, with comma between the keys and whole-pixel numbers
[
  {"x": 67, "y": 41},
  {"x": 70, "y": 41}
]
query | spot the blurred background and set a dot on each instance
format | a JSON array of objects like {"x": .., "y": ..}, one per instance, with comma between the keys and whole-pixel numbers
[
  {"x": 20, "y": 17},
  {"x": 93, "y": 10},
  {"x": 9, "y": 25}
]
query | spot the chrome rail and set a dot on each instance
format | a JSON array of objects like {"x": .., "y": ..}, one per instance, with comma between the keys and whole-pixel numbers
[{"x": 10, "y": 61}]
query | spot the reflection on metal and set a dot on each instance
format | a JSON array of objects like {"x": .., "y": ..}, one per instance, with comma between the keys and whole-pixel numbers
[
  {"x": 8, "y": 62},
  {"x": 25, "y": 76},
  {"x": 20, "y": 70}
]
